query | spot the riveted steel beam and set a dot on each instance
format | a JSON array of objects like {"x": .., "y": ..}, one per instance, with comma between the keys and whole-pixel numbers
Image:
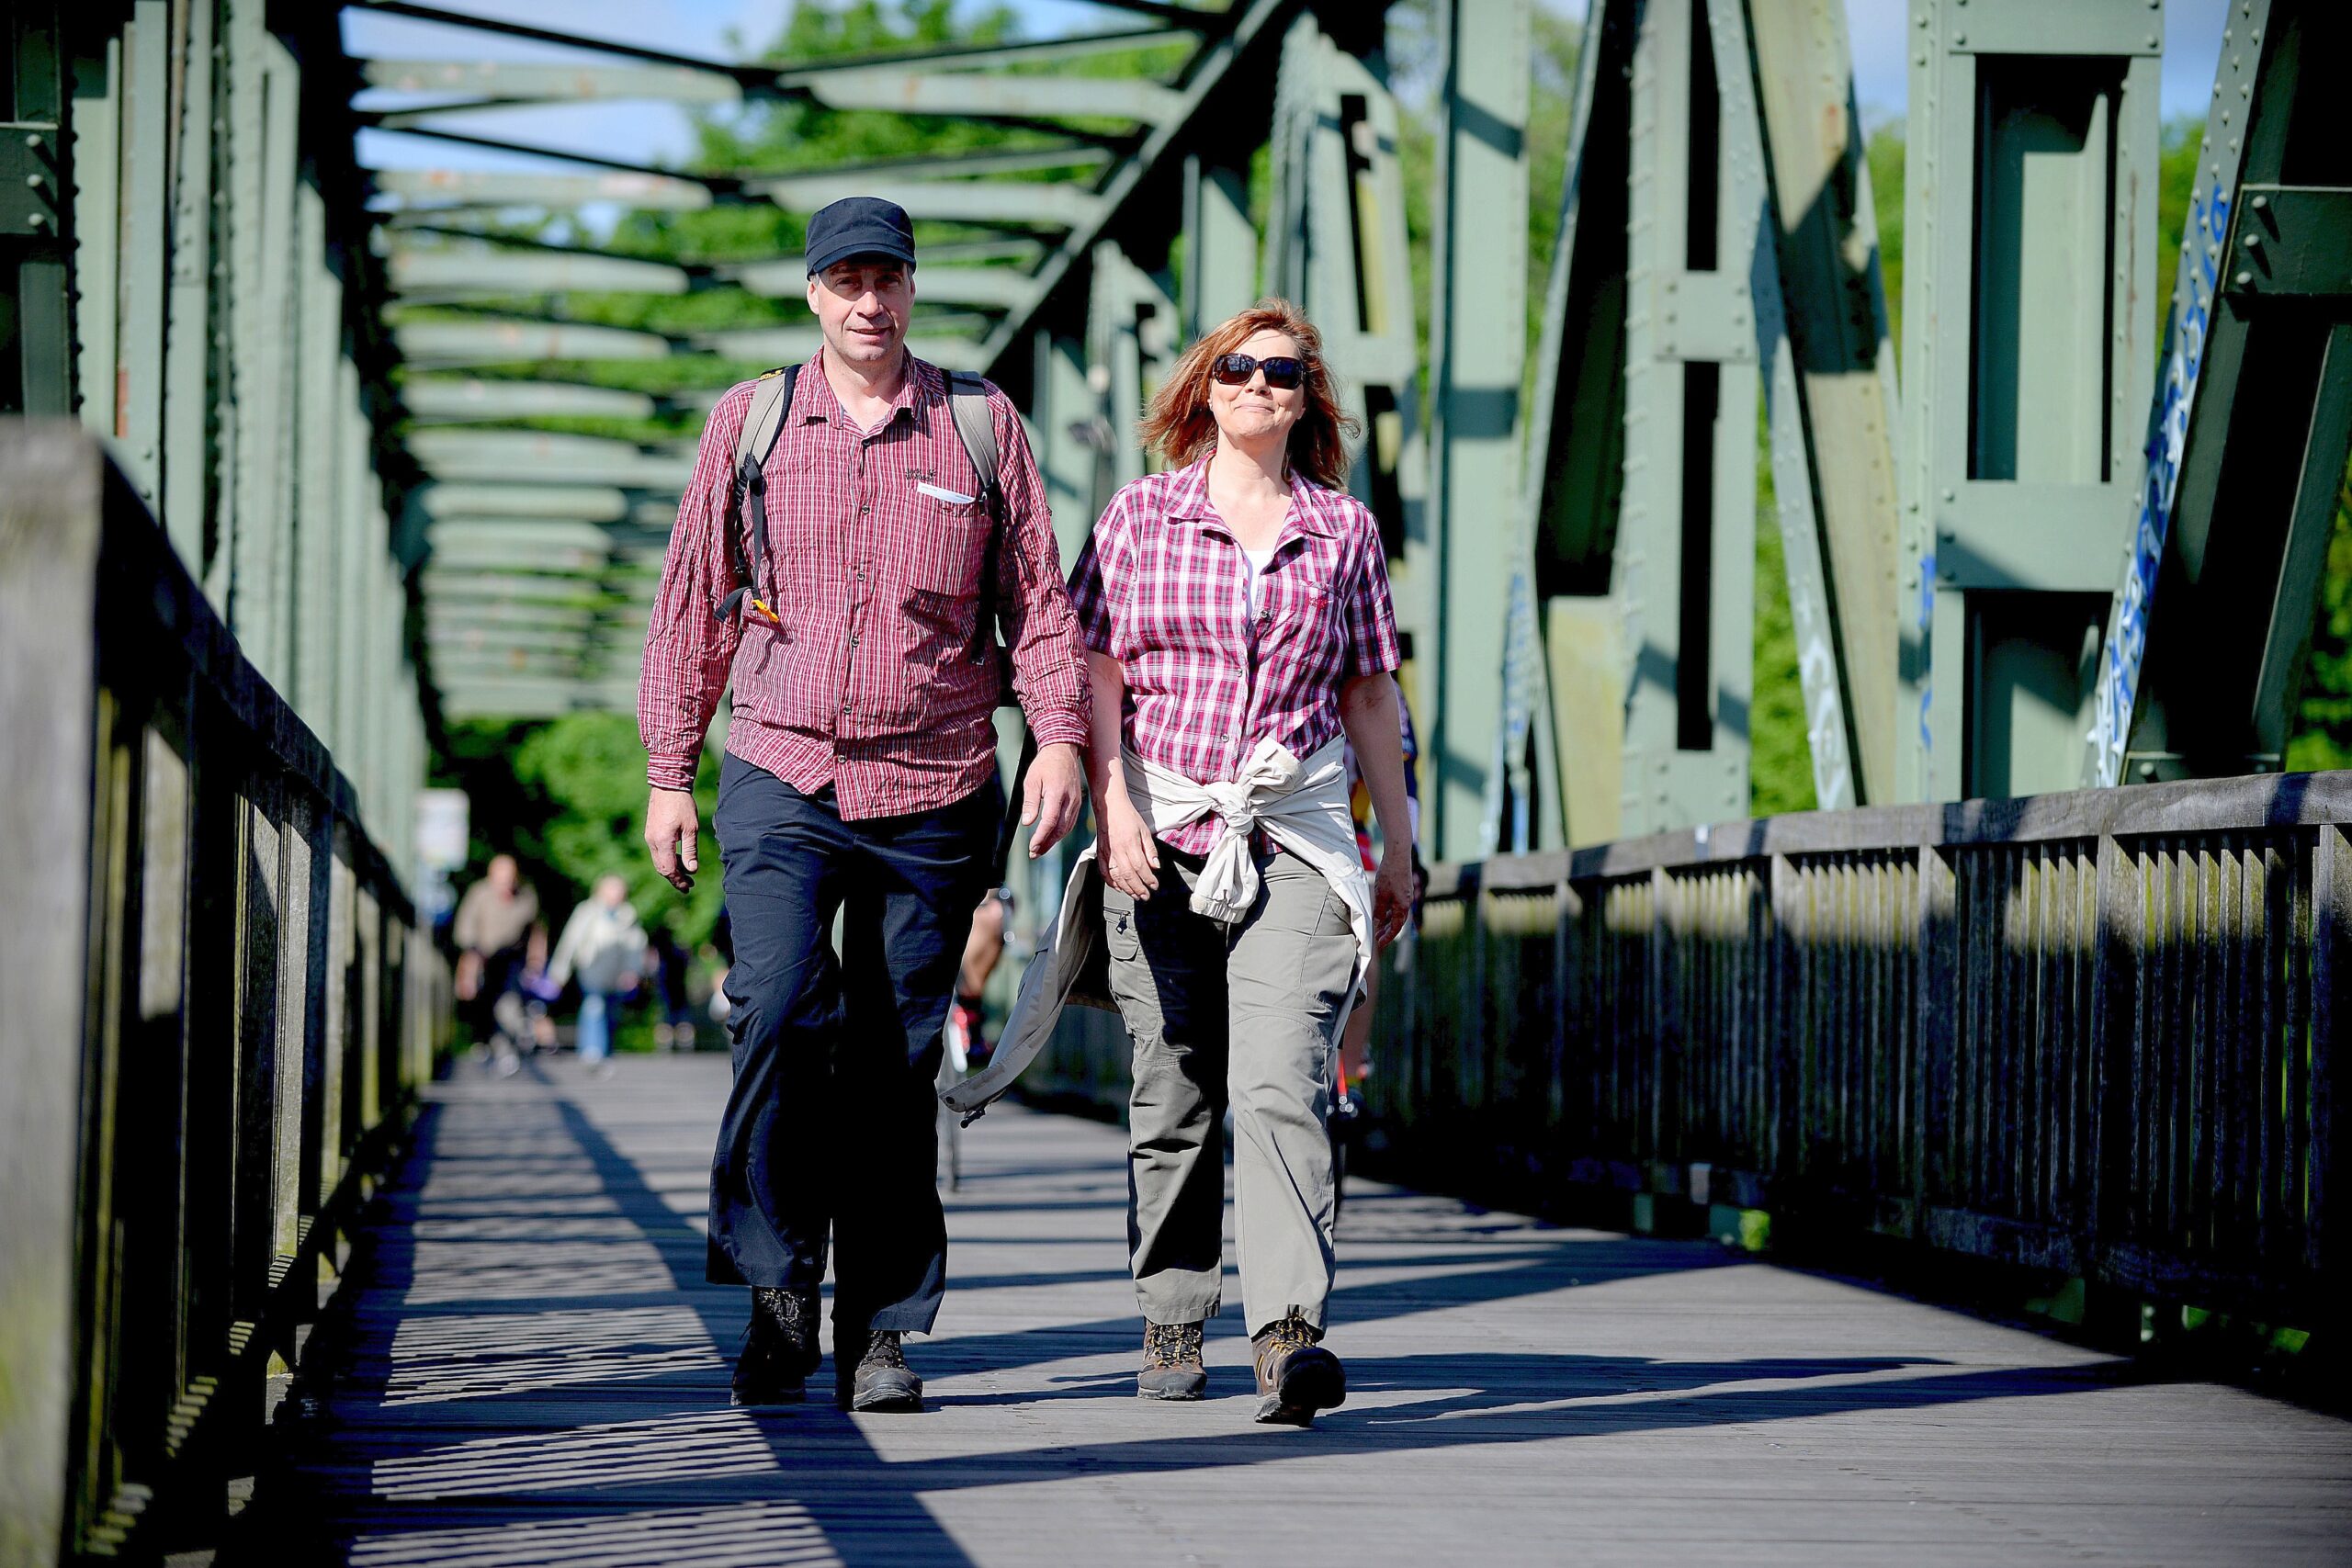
[
  {"x": 1478, "y": 344},
  {"x": 496, "y": 340},
  {"x": 1574, "y": 466},
  {"x": 589, "y": 502},
  {"x": 2028, "y": 362},
  {"x": 1842, "y": 412},
  {"x": 1028, "y": 203},
  {"x": 526, "y": 456},
  {"x": 522, "y": 697},
  {"x": 1220, "y": 244},
  {"x": 1175, "y": 20},
  {"x": 470, "y": 272},
  {"x": 2248, "y": 432},
  {"x": 522, "y": 534},
  {"x": 1253, "y": 31},
  {"x": 486, "y": 187},
  {"x": 481, "y": 83},
  {"x": 455, "y": 398},
  {"x": 974, "y": 96}
]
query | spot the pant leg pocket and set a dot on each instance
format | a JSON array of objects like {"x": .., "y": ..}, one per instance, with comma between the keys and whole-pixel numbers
[{"x": 1119, "y": 934}]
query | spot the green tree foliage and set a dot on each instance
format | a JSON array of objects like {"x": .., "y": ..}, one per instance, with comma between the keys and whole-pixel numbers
[
  {"x": 566, "y": 798},
  {"x": 1780, "y": 761}
]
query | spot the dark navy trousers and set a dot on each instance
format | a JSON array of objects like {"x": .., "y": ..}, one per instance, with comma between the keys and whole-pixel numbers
[{"x": 833, "y": 1125}]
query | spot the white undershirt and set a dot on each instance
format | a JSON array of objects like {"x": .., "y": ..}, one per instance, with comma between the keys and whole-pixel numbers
[{"x": 1257, "y": 560}]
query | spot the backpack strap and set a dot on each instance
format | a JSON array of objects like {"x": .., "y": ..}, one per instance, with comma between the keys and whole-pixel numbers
[
  {"x": 968, "y": 401},
  {"x": 762, "y": 422}
]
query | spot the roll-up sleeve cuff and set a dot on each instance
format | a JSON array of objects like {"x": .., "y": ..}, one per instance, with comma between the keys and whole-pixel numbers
[
  {"x": 676, "y": 772},
  {"x": 1060, "y": 726}
]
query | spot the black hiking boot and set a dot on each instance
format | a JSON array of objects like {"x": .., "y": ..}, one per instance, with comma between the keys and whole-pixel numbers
[
  {"x": 1296, "y": 1377},
  {"x": 1172, "y": 1362},
  {"x": 870, "y": 1372},
  {"x": 779, "y": 1348}
]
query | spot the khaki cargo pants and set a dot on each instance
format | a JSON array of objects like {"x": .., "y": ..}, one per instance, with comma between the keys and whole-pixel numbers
[{"x": 1241, "y": 1015}]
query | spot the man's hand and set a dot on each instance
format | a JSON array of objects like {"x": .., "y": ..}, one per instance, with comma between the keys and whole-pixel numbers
[
  {"x": 1049, "y": 801},
  {"x": 673, "y": 833}
]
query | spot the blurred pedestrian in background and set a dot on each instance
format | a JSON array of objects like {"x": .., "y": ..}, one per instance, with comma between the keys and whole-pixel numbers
[
  {"x": 603, "y": 947},
  {"x": 491, "y": 930}
]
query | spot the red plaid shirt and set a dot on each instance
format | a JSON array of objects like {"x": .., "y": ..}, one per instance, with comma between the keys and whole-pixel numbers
[
  {"x": 865, "y": 680},
  {"x": 1160, "y": 588}
]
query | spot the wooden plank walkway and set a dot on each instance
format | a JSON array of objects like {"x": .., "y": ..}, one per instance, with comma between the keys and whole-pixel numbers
[{"x": 538, "y": 1374}]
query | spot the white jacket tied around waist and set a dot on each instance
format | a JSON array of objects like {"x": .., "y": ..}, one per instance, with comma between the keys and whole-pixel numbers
[{"x": 1304, "y": 805}]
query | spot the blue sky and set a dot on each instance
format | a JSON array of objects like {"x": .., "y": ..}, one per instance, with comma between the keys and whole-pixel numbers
[{"x": 659, "y": 133}]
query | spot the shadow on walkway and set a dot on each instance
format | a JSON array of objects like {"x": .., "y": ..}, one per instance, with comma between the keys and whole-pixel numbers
[{"x": 566, "y": 1401}]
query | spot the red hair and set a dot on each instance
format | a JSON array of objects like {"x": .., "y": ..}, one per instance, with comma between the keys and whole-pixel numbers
[{"x": 1180, "y": 427}]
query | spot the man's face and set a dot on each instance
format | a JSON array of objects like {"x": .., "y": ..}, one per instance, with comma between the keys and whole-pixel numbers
[
  {"x": 504, "y": 874},
  {"x": 862, "y": 303}
]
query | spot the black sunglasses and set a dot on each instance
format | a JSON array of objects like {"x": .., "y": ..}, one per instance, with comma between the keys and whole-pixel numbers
[{"x": 1282, "y": 371}]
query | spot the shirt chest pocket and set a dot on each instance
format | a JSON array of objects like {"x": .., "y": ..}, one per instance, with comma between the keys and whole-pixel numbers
[
  {"x": 1295, "y": 602},
  {"x": 947, "y": 541}
]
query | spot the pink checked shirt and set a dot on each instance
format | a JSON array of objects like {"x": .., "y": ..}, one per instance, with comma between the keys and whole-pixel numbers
[
  {"x": 865, "y": 680},
  {"x": 1159, "y": 587}
]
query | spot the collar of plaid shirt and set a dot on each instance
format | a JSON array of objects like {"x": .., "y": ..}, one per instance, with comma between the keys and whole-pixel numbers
[{"x": 1311, "y": 507}]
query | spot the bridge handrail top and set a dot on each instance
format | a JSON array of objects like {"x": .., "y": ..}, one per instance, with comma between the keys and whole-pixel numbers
[{"x": 2255, "y": 802}]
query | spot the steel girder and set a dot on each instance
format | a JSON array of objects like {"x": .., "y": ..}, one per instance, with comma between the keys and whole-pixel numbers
[
  {"x": 2248, "y": 432},
  {"x": 1336, "y": 244},
  {"x": 2028, "y": 363},
  {"x": 1100, "y": 346},
  {"x": 1715, "y": 245},
  {"x": 191, "y": 220},
  {"x": 1829, "y": 388}
]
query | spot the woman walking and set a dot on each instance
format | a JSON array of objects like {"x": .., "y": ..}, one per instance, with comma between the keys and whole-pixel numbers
[
  {"x": 604, "y": 946},
  {"x": 1240, "y": 635}
]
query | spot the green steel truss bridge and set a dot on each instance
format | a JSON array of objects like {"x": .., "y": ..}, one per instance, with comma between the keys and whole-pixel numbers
[{"x": 2054, "y": 987}]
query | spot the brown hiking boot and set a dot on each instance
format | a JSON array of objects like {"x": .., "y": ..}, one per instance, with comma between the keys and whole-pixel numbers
[
  {"x": 1172, "y": 1362},
  {"x": 870, "y": 1372},
  {"x": 1296, "y": 1377}
]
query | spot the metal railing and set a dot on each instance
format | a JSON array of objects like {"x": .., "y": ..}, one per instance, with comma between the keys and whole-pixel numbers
[
  {"x": 2101, "y": 1032},
  {"x": 217, "y": 1007}
]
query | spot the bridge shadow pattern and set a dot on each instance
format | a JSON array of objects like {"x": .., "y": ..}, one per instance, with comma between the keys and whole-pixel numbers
[{"x": 532, "y": 1369}]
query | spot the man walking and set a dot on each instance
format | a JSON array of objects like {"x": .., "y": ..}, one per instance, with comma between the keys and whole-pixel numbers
[
  {"x": 491, "y": 930},
  {"x": 847, "y": 589}
]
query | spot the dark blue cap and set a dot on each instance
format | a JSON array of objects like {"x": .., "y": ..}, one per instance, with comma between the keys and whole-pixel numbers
[{"x": 857, "y": 226}]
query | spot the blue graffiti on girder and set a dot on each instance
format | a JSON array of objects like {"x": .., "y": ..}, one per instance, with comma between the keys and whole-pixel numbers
[{"x": 2127, "y": 632}]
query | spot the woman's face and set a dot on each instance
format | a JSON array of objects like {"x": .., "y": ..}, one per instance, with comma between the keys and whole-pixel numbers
[{"x": 1254, "y": 414}]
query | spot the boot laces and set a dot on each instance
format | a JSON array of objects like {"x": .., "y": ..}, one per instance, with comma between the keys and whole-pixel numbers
[
  {"x": 1287, "y": 1335},
  {"x": 882, "y": 1349},
  {"x": 1172, "y": 1344},
  {"x": 785, "y": 1309}
]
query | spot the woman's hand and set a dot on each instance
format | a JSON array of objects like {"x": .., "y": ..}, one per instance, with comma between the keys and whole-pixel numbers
[
  {"x": 1128, "y": 854},
  {"x": 1391, "y": 893}
]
